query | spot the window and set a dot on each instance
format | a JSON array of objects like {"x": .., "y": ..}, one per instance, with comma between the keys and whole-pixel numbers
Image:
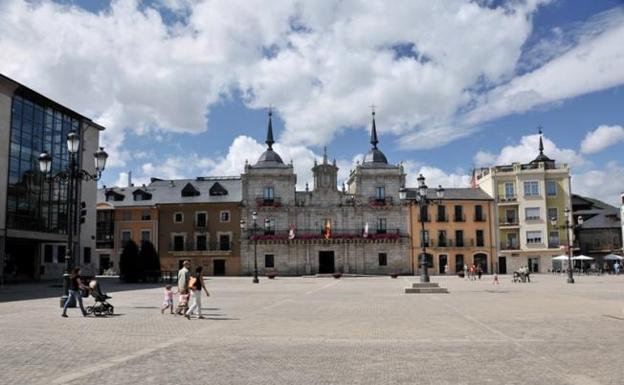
[
  {"x": 381, "y": 225},
  {"x": 145, "y": 215},
  {"x": 442, "y": 238},
  {"x": 459, "y": 214},
  {"x": 479, "y": 217},
  {"x": 380, "y": 192},
  {"x": 531, "y": 188},
  {"x": 509, "y": 190},
  {"x": 442, "y": 213},
  {"x": 552, "y": 213},
  {"x": 383, "y": 259},
  {"x": 553, "y": 239},
  {"x": 200, "y": 219},
  {"x": 224, "y": 242},
  {"x": 60, "y": 254},
  {"x": 126, "y": 215},
  {"x": 459, "y": 238},
  {"x": 269, "y": 261},
  {"x": 86, "y": 255},
  {"x": 48, "y": 252},
  {"x": 200, "y": 242},
  {"x": 551, "y": 188},
  {"x": 532, "y": 213},
  {"x": 480, "y": 239},
  {"x": 534, "y": 237},
  {"x": 511, "y": 217},
  {"x": 126, "y": 235},
  {"x": 268, "y": 193},
  {"x": 224, "y": 216},
  {"x": 269, "y": 226},
  {"x": 178, "y": 217},
  {"x": 146, "y": 236},
  {"x": 424, "y": 238},
  {"x": 178, "y": 243},
  {"x": 424, "y": 213}
]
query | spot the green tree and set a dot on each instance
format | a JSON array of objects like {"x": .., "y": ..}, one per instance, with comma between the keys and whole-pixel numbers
[
  {"x": 130, "y": 269},
  {"x": 150, "y": 261}
]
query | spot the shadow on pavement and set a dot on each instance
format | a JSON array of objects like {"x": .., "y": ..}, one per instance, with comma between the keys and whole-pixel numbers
[{"x": 53, "y": 289}]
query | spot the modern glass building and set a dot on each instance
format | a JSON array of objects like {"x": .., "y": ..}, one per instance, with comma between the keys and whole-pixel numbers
[{"x": 33, "y": 210}]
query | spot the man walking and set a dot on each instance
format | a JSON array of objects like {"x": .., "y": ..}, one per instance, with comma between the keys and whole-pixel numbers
[{"x": 183, "y": 276}]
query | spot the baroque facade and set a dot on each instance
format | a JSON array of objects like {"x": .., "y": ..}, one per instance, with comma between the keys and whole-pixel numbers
[{"x": 359, "y": 229}]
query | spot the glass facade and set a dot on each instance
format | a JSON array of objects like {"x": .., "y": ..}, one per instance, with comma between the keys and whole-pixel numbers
[{"x": 33, "y": 203}]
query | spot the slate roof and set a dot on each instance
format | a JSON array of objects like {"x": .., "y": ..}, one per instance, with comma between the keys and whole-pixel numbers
[
  {"x": 170, "y": 191},
  {"x": 608, "y": 218}
]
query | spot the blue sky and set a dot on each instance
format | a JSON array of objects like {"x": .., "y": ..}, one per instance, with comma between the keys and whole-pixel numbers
[{"x": 183, "y": 86}]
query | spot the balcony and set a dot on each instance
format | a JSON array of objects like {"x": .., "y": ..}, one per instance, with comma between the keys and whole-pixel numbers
[
  {"x": 507, "y": 199},
  {"x": 201, "y": 226},
  {"x": 459, "y": 218},
  {"x": 510, "y": 222},
  {"x": 509, "y": 246},
  {"x": 262, "y": 202},
  {"x": 377, "y": 202},
  {"x": 199, "y": 247},
  {"x": 442, "y": 218},
  {"x": 321, "y": 234},
  {"x": 450, "y": 243},
  {"x": 479, "y": 218}
]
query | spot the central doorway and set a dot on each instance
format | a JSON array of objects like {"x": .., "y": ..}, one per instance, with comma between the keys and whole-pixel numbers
[
  {"x": 218, "y": 267},
  {"x": 326, "y": 262}
]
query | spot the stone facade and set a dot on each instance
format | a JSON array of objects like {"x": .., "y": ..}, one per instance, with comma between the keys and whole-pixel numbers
[{"x": 360, "y": 229}]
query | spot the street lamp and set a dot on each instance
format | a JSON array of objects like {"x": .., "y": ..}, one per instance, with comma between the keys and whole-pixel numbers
[
  {"x": 423, "y": 201},
  {"x": 569, "y": 225},
  {"x": 73, "y": 174},
  {"x": 243, "y": 226}
]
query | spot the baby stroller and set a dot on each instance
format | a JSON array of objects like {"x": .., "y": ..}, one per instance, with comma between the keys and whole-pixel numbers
[{"x": 101, "y": 307}]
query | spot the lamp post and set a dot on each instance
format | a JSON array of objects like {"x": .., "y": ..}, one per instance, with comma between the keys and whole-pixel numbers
[
  {"x": 569, "y": 225},
  {"x": 423, "y": 201},
  {"x": 72, "y": 175},
  {"x": 243, "y": 226}
]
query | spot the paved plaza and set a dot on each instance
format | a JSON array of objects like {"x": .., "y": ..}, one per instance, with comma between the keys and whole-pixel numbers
[{"x": 360, "y": 330}]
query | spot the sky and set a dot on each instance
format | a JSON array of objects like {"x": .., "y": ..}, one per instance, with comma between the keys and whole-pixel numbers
[{"x": 183, "y": 87}]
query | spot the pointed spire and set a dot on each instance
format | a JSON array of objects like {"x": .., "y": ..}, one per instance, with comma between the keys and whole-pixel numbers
[
  {"x": 325, "y": 155},
  {"x": 541, "y": 143},
  {"x": 374, "y": 139},
  {"x": 269, "y": 139}
]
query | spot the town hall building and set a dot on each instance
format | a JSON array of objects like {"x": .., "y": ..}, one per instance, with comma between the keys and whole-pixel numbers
[{"x": 360, "y": 228}]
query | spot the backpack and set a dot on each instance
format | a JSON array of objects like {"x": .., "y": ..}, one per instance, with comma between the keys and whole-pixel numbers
[{"x": 192, "y": 282}]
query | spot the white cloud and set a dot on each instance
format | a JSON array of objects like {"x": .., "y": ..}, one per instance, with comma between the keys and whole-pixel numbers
[
  {"x": 601, "y": 138},
  {"x": 595, "y": 63},
  {"x": 526, "y": 151},
  {"x": 605, "y": 184}
]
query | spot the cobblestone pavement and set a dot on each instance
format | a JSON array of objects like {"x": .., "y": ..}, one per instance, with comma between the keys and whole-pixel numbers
[{"x": 325, "y": 331}]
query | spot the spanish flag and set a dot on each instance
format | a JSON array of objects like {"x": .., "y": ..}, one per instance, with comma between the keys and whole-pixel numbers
[{"x": 327, "y": 233}]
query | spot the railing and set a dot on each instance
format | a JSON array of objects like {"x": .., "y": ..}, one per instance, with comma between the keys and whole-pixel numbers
[
  {"x": 424, "y": 218},
  {"x": 201, "y": 226},
  {"x": 509, "y": 246},
  {"x": 510, "y": 222},
  {"x": 479, "y": 218},
  {"x": 450, "y": 243},
  {"x": 208, "y": 246},
  {"x": 268, "y": 202},
  {"x": 442, "y": 218},
  {"x": 314, "y": 234},
  {"x": 379, "y": 202},
  {"x": 508, "y": 198},
  {"x": 459, "y": 218}
]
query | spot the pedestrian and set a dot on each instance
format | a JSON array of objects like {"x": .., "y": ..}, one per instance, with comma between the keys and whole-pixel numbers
[
  {"x": 479, "y": 271},
  {"x": 183, "y": 276},
  {"x": 616, "y": 268},
  {"x": 196, "y": 284},
  {"x": 183, "y": 298},
  {"x": 446, "y": 268},
  {"x": 75, "y": 284},
  {"x": 495, "y": 281},
  {"x": 466, "y": 272},
  {"x": 168, "y": 301},
  {"x": 472, "y": 272}
]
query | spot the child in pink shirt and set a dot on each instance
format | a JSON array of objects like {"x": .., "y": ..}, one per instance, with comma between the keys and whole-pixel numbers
[{"x": 168, "y": 301}]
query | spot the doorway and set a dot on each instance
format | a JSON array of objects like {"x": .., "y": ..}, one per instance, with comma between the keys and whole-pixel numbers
[
  {"x": 442, "y": 262},
  {"x": 326, "y": 262},
  {"x": 459, "y": 263},
  {"x": 534, "y": 265},
  {"x": 480, "y": 259},
  {"x": 218, "y": 267},
  {"x": 502, "y": 265}
]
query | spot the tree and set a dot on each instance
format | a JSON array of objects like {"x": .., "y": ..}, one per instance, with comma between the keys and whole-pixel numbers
[
  {"x": 129, "y": 263},
  {"x": 150, "y": 262}
]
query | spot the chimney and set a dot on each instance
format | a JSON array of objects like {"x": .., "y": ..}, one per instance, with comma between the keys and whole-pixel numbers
[{"x": 129, "y": 178}]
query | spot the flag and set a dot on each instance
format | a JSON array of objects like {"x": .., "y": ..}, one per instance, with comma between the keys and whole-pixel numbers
[
  {"x": 291, "y": 233},
  {"x": 327, "y": 233},
  {"x": 366, "y": 230}
]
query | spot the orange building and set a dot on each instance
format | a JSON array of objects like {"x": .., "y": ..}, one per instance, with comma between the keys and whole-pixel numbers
[{"x": 458, "y": 231}]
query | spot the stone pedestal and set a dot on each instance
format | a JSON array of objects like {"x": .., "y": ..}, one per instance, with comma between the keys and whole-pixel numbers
[{"x": 425, "y": 288}]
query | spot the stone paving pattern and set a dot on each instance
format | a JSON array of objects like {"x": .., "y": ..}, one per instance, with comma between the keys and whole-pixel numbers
[{"x": 324, "y": 331}]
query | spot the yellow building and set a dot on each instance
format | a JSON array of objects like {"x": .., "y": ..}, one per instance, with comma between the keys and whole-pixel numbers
[
  {"x": 458, "y": 231},
  {"x": 528, "y": 196}
]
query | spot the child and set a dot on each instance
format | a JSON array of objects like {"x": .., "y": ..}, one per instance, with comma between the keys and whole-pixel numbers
[
  {"x": 183, "y": 299},
  {"x": 168, "y": 301},
  {"x": 495, "y": 281}
]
